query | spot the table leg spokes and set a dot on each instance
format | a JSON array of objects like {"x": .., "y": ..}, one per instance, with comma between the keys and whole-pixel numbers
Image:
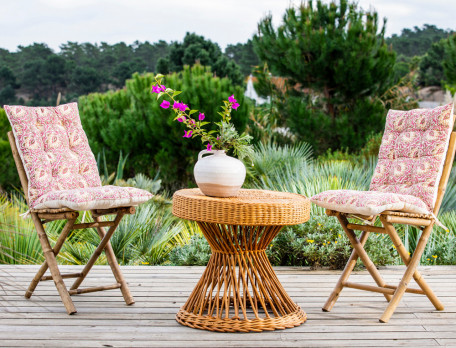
[{"x": 239, "y": 290}]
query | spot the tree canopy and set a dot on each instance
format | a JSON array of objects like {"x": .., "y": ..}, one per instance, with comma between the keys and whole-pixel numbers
[
  {"x": 334, "y": 52},
  {"x": 196, "y": 49},
  {"x": 417, "y": 41},
  {"x": 37, "y": 74}
]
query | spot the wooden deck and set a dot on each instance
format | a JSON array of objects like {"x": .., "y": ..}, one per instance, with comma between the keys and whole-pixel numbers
[{"x": 104, "y": 321}]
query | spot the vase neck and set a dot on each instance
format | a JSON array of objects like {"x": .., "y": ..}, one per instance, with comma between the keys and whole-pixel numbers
[{"x": 219, "y": 152}]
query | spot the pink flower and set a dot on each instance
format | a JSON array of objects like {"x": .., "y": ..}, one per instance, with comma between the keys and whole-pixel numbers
[
  {"x": 209, "y": 147},
  {"x": 201, "y": 116},
  {"x": 158, "y": 89},
  {"x": 231, "y": 99},
  {"x": 181, "y": 119},
  {"x": 235, "y": 105},
  {"x": 187, "y": 134},
  {"x": 165, "y": 104},
  {"x": 192, "y": 121},
  {"x": 183, "y": 107},
  {"x": 177, "y": 105}
]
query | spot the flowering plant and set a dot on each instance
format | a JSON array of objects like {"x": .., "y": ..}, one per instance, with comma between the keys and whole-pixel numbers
[{"x": 226, "y": 138}]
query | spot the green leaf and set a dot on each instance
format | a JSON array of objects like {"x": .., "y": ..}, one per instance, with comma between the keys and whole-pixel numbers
[
  {"x": 204, "y": 123},
  {"x": 160, "y": 94},
  {"x": 191, "y": 112},
  {"x": 176, "y": 93},
  {"x": 158, "y": 76}
]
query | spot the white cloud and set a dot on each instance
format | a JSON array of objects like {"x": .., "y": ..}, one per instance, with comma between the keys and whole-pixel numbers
[{"x": 54, "y": 22}]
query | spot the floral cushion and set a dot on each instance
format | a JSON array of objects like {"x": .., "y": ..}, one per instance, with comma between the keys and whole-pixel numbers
[
  {"x": 60, "y": 167},
  {"x": 53, "y": 148},
  {"x": 412, "y": 153},
  {"x": 88, "y": 198},
  {"x": 410, "y": 164},
  {"x": 368, "y": 202}
]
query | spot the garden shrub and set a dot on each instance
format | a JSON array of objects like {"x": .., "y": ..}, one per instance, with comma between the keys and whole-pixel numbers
[
  {"x": 321, "y": 242},
  {"x": 9, "y": 178},
  {"x": 307, "y": 118},
  {"x": 131, "y": 120},
  {"x": 195, "y": 253}
]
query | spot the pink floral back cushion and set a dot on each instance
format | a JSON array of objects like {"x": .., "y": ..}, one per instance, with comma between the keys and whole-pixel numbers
[
  {"x": 413, "y": 151},
  {"x": 53, "y": 148}
]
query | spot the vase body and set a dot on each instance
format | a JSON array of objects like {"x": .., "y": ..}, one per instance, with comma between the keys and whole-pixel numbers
[{"x": 217, "y": 174}]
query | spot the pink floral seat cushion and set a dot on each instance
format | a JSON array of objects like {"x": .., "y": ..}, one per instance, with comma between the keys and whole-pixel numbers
[
  {"x": 103, "y": 197},
  {"x": 60, "y": 167},
  {"x": 412, "y": 153},
  {"x": 410, "y": 164},
  {"x": 368, "y": 202},
  {"x": 54, "y": 149}
]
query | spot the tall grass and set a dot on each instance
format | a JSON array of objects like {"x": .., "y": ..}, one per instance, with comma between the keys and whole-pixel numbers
[
  {"x": 19, "y": 242},
  {"x": 153, "y": 232},
  {"x": 297, "y": 172},
  {"x": 146, "y": 237}
]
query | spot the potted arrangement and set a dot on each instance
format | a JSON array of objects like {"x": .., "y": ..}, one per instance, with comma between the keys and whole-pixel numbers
[{"x": 216, "y": 173}]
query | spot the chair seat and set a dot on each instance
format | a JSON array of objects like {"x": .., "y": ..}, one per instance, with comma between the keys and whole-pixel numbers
[
  {"x": 369, "y": 202},
  {"x": 102, "y": 197}
]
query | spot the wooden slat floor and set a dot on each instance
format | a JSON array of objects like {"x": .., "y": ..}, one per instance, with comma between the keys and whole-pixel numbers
[{"x": 103, "y": 320}]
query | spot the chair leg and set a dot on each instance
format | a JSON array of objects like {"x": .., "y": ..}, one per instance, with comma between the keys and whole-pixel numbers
[
  {"x": 410, "y": 271},
  {"x": 52, "y": 263},
  {"x": 112, "y": 260},
  {"x": 58, "y": 245},
  {"x": 356, "y": 244},
  {"x": 331, "y": 301},
  {"x": 403, "y": 253},
  {"x": 97, "y": 252}
]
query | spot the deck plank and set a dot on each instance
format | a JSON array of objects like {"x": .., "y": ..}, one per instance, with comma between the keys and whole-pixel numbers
[{"x": 104, "y": 320}]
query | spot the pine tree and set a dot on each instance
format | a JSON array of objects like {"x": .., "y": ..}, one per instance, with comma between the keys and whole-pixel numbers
[
  {"x": 335, "y": 51},
  {"x": 449, "y": 62}
]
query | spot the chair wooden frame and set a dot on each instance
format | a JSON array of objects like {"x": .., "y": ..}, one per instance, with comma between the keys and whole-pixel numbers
[
  {"x": 43, "y": 216},
  {"x": 393, "y": 294}
]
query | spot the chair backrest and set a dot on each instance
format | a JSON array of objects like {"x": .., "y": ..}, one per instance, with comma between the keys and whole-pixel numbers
[
  {"x": 446, "y": 172},
  {"x": 412, "y": 154},
  {"x": 53, "y": 149}
]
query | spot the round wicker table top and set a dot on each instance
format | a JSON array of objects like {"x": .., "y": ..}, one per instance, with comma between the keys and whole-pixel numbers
[{"x": 249, "y": 207}]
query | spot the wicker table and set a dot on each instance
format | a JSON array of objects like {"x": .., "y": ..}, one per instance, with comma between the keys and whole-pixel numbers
[{"x": 239, "y": 290}]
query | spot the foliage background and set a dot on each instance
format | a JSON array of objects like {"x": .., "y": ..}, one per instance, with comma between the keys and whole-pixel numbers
[
  {"x": 316, "y": 104},
  {"x": 130, "y": 120}
]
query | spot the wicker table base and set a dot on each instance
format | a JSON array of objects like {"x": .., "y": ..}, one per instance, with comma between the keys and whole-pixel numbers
[{"x": 239, "y": 290}]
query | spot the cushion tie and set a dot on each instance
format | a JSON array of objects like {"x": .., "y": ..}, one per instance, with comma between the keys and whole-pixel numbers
[{"x": 25, "y": 215}]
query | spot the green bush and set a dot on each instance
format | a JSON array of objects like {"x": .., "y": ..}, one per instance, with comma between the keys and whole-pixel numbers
[
  {"x": 9, "y": 178},
  {"x": 195, "y": 253},
  {"x": 321, "y": 242},
  {"x": 307, "y": 118},
  {"x": 19, "y": 243},
  {"x": 146, "y": 237},
  {"x": 130, "y": 120}
]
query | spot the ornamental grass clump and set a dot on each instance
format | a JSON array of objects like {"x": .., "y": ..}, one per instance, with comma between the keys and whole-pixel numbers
[{"x": 225, "y": 138}]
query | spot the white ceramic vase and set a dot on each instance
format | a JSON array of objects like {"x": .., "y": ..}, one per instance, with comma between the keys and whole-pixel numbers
[{"x": 217, "y": 174}]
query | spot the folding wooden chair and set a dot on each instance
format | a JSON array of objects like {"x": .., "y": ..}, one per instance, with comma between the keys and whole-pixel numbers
[
  {"x": 401, "y": 192},
  {"x": 44, "y": 140}
]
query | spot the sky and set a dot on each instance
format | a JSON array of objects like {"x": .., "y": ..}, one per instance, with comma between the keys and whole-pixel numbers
[{"x": 54, "y": 22}]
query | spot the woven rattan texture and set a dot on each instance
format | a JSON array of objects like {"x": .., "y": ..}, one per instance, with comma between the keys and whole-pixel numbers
[
  {"x": 249, "y": 207},
  {"x": 235, "y": 325}
]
